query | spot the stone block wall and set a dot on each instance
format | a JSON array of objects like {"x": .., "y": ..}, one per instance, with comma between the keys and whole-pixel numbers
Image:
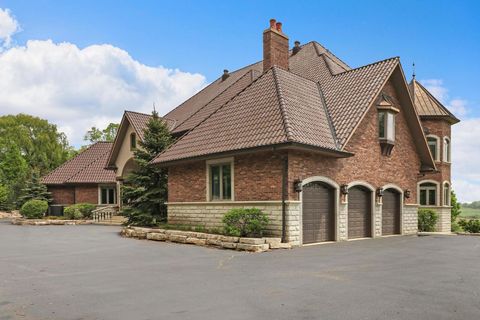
[
  {"x": 410, "y": 219},
  {"x": 444, "y": 223},
  {"x": 210, "y": 214}
]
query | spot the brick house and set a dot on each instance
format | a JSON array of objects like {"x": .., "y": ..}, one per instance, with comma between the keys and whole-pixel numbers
[
  {"x": 84, "y": 179},
  {"x": 328, "y": 152}
]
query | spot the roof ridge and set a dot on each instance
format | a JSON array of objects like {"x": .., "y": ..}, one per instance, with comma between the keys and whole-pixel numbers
[
  {"x": 329, "y": 118},
  {"x": 88, "y": 165},
  {"x": 70, "y": 160},
  {"x": 211, "y": 100},
  {"x": 209, "y": 116},
  {"x": 324, "y": 55},
  {"x": 281, "y": 102},
  {"x": 367, "y": 65}
]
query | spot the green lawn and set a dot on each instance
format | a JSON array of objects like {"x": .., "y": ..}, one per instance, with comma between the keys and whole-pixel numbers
[{"x": 469, "y": 212}]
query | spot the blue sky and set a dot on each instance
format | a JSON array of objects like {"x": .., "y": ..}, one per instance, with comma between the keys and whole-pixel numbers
[{"x": 162, "y": 52}]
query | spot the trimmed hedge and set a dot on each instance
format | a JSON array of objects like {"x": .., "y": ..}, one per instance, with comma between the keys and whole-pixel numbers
[
  {"x": 427, "y": 219},
  {"x": 79, "y": 211},
  {"x": 34, "y": 209},
  {"x": 245, "y": 222}
]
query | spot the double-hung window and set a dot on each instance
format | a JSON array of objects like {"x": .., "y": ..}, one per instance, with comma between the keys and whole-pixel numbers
[
  {"x": 428, "y": 194},
  {"x": 220, "y": 178},
  {"x": 446, "y": 150},
  {"x": 433, "y": 146}
]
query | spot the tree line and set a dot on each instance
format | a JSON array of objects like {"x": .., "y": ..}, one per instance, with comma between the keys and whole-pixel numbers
[{"x": 30, "y": 148}]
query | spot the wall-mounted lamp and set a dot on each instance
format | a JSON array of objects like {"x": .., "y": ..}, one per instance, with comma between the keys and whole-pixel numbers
[
  {"x": 407, "y": 193},
  {"x": 344, "y": 189},
  {"x": 297, "y": 185},
  {"x": 380, "y": 192}
]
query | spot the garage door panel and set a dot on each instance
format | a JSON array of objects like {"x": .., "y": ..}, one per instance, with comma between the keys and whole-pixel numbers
[
  {"x": 359, "y": 213},
  {"x": 391, "y": 210},
  {"x": 318, "y": 213}
]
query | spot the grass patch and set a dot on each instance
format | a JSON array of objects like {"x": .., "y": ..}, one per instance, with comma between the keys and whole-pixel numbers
[{"x": 470, "y": 213}]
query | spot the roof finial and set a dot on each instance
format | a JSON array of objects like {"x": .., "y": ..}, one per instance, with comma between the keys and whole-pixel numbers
[{"x": 413, "y": 74}]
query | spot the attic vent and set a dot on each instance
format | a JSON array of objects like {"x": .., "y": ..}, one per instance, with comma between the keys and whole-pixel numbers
[
  {"x": 297, "y": 47},
  {"x": 225, "y": 75}
]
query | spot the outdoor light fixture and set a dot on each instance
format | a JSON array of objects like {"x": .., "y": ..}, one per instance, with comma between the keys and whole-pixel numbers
[
  {"x": 297, "y": 185},
  {"x": 344, "y": 189},
  {"x": 380, "y": 192},
  {"x": 407, "y": 193}
]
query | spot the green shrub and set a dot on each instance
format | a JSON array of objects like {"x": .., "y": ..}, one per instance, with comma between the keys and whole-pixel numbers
[
  {"x": 427, "y": 219},
  {"x": 34, "y": 209},
  {"x": 79, "y": 211},
  {"x": 471, "y": 226},
  {"x": 245, "y": 222},
  {"x": 456, "y": 227}
]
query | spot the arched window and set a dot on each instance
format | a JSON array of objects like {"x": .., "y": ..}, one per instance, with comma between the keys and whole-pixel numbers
[
  {"x": 428, "y": 192},
  {"x": 133, "y": 141},
  {"x": 446, "y": 150},
  {"x": 446, "y": 194},
  {"x": 433, "y": 145}
]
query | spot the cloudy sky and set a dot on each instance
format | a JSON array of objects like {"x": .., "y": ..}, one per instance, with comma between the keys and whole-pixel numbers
[{"x": 80, "y": 64}]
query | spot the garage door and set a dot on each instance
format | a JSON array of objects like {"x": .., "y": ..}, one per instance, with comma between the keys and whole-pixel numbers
[
  {"x": 359, "y": 213},
  {"x": 318, "y": 213},
  {"x": 391, "y": 212}
]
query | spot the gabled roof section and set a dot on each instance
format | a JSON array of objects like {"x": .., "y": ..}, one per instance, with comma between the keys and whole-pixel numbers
[
  {"x": 277, "y": 108},
  {"x": 349, "y": 94},
  {"x": 427, "y": 105},
  {"x": 87, "y": 167}
]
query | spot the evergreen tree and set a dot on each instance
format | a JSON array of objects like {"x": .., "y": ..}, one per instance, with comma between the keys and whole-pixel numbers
[
  {"x": 145, "y": 189},
  {"x": 34, "y": 190},
  {"x": 455, "y": 206}
]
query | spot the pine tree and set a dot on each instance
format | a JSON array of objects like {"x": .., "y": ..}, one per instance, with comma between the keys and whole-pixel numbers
[
  {"x": 34, "y": 190},
  {"x": 145, "y": 190}
]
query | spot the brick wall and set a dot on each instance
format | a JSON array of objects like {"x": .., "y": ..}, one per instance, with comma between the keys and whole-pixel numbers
[
  {"x": 62, "y": 194},
  {"x": 187, "y": 182},
  {"x": 87, "y": 193}
]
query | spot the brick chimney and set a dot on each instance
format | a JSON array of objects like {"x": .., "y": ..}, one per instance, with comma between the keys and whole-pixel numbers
[{"x": 275, "y": 47}]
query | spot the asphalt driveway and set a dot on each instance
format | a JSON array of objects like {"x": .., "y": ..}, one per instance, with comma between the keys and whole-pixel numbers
[{"x": 89, "y": 272}]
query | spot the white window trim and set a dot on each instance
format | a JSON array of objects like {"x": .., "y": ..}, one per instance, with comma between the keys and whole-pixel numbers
[
  {"x": 439, "y": 145},
  {"x": 209, "y": 163},
  {"x": 386, "y": 125},
  {"x": 447, "y": 156},
  {"x": 449, "y": 203},
  {"x": 437, "y": 195},
  {"x": 115, "y": 195}
]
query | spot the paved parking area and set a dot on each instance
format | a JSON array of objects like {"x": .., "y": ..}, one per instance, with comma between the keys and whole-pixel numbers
[{"x": 89, "y": 272}]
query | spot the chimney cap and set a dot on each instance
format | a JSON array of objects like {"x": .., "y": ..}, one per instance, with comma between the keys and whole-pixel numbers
[
  {"x": 272, "y": 23},
  {"x": 297, "y": 43},
  {"x": 279, "y": 27},
  {"x": 225, "y": 74}
]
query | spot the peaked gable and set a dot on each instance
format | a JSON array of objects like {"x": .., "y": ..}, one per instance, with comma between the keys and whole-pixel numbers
[{"x": 87, "y": 167}]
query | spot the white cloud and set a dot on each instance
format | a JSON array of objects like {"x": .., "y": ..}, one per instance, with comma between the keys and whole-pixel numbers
[
  {"x": 435, "y": 86},
  {"x": 8, "y": 27},
  {"x": 458, "y": 107},
  {"x": 79, "y": 88}
]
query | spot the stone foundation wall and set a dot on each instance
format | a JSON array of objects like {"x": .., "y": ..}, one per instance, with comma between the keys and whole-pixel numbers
[
  {"x": 444, "y": 223},
  {"x": 210, "y": 214},
  {"x": 410, "y": 219}
]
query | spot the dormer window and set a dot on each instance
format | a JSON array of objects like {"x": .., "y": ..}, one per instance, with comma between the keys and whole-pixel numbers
[
  {"x": 133, "y": 141},
  {"x": 386, "y": 125}
]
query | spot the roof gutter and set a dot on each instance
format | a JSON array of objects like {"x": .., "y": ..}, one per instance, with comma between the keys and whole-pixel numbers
[{"x": 274, "y": 147}]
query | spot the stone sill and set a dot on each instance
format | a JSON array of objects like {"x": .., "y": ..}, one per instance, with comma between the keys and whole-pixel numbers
[
  {"x": 205, "y": 239},
  {"x": 435, "y": 233},
  {"x": 48, "y": 222}
]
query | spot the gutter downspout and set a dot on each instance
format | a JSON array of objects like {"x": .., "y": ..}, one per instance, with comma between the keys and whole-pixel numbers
[{"x": 284, "y": 198}]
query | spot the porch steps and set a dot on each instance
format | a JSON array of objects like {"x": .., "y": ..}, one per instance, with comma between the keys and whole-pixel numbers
[{"x": 113, "y": 221}]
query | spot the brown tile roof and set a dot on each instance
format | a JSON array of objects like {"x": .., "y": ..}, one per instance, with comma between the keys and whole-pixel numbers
[
  {"x": 427, "y": 105},
  {"x": 87, "y": 167},
  {"x": 279, "y": 107},
  {"x": 318, "y": 102}
]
